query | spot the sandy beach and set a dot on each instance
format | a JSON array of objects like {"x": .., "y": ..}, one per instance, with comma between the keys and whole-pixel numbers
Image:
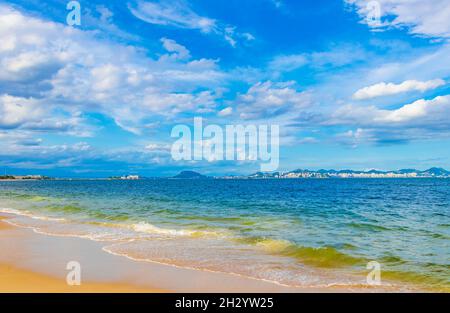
[
  {"x": 34, "y": 262},
  {"x": 15, "y": 279},
  {"x": 18, "y": 280}
]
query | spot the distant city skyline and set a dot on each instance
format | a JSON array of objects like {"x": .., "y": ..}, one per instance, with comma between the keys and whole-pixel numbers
[
  {"x": 348, "y": 89},
  {"x": 296, "y": 173}
]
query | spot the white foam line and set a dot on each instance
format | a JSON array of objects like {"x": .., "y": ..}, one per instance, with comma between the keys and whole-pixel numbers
[
  {"x": 30, "y": 215},
  {"x": 105, "y": 249},
  {"x": 37, "y": 230}
]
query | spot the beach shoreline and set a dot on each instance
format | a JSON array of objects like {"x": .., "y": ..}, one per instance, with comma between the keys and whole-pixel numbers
[
  {"x": 37, "y": 263},
  {"x": 17, "y": 279}
]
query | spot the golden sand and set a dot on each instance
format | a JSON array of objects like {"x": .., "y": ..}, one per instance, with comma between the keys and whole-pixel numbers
[
  {"x": 17, "y": 280},
  {"x": 13, "y": 279},
  {"x": 3, "y": 225}
]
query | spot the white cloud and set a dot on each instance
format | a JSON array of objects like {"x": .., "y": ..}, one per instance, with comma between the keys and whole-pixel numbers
[
  {"x": 179, "y": 13},
  {"x": 225, "y": 112},
  {"x": 18, "y": 138},
  {"x": 29, "y": 114},
  {"x": 385, "y": 89},
  {"x": 421, "y": 113},
  {"x": 269, "y": 99},
  {"x": 336, "y": 56},
  {"x": 229, "y": 32},
  {"x": 425, "y": 65},
  {"x": 288, "y": 62},
  {"x": 158, "y": 147},
  {"x": 420, "y": 120},
  {"x": 100, "y": 19},
  {"x": 176, "y": 13},
  {"x": 178, "y": 51},
  {"x": 106, "y": 77},
  {"x": 49, "y": 61},
  {"x": 436, "y": 109},
  {"x": 425, "y": 18},
  {"x": 421, "y": 64},
  {"x": 356, "y": 137},
  {"x": 15, "y": 111},
  {"x": 81, "y": 146},
  {"x": 248, "y": 36},
  {"x": 21, "y": 150},
  {"x": 39, "y": 155}
]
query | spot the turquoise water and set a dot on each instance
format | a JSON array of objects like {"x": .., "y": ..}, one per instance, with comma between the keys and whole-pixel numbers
[{"x": 302, "y": 232}]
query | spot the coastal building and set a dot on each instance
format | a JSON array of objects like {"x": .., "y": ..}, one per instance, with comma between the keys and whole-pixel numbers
[
  {"x": 130, "y": 177},
  {"x": 408, "y": 173}
]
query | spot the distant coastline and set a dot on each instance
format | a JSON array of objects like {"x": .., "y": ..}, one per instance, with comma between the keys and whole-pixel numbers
[
  {"x": 433, "y": 172},
  {"x": 299, "y": 173},
  {"x": 23, "y": 178},
  {"x": 403, "y": 173}
]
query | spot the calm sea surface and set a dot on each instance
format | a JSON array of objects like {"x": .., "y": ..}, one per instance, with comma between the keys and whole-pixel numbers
[{"x": 301, "y": 232}]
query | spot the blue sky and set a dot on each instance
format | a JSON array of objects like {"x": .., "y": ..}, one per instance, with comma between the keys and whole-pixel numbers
[{"x": 101, "y": 98}]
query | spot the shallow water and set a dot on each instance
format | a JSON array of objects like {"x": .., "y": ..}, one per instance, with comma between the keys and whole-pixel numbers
[{"x": 303, "y": 232}]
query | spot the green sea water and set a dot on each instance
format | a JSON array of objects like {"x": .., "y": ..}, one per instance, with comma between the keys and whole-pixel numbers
[{"x": 300, "y": 232}]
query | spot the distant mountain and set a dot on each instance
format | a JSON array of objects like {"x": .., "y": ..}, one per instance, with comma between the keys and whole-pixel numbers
[
  {"x": 435, "y": 171},
  {"x": 331, "y": 173},
  {"x": 265, "y": 175},
  {"x": 403, "y": 173},
  {"x": 189, "y": 175},
  {"x": 406, "y": 171}
]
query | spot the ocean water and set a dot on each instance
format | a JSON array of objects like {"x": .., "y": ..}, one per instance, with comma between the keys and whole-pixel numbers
[{"x": 297, "y": 232}]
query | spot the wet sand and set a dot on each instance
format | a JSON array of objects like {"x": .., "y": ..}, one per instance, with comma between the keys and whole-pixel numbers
[
  {"x": 16, "y": 279},
  {"x": 19, "y": 280},
  {"x": 32, "y": 262}
]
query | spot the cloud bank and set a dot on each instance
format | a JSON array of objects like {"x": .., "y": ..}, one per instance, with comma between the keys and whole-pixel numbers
[{"x": 387, "y": 89}]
